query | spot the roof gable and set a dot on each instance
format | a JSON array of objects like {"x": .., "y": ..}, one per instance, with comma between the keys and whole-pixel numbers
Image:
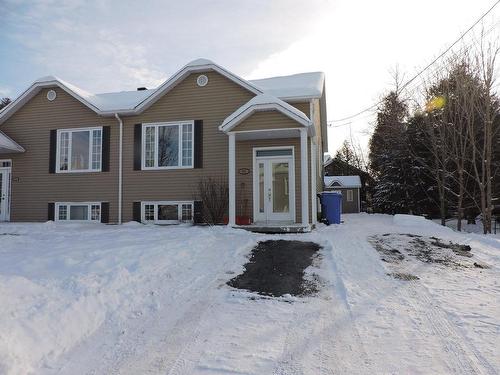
[
  {"x": 263, "y": 102},
  {"x": 295, "y": 87},
  {"x": 199, "y": 65}
]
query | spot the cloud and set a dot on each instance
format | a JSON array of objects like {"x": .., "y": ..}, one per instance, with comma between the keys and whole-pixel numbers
[
  {"x": 4, "y": 92},
  {"x": 116, "y": 45}
]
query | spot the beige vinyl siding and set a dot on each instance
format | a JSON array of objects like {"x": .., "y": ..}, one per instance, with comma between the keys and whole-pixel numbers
[
  {"x": 32, "y": 184},
  {"x": 304, "y": 107},
  {"x": 187, "y": 101},
  {"x": 267, "y": 120}
]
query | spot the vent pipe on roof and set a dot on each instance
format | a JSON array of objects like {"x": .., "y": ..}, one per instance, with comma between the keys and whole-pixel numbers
[{"x": 141, "y": 88}]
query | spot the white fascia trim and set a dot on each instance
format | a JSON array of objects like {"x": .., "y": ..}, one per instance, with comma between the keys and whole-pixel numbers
[
  {"x": 14, "y": 146},
  {"x": 184, "y": 72},
  {"x": 232, "y": 122}
]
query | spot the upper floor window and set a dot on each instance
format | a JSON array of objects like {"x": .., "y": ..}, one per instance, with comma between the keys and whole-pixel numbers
[
  {"x": 167, "y": 145},
  {"x": 79, "y": 150}
]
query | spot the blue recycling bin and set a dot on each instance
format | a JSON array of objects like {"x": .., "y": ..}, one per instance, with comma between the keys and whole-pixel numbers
[{"x": 331, "y": 206}]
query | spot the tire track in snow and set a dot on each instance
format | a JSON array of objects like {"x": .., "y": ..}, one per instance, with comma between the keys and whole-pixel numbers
[
  {"x": 172, "y": 354},
  {"x": 333, "y": 331},
  {"x": 155, "y": 342},
  {"x": 468, "y": 359}
]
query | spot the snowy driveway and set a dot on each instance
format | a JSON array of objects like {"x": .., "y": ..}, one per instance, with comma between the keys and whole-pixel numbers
[{"x": 154, "y": 300}]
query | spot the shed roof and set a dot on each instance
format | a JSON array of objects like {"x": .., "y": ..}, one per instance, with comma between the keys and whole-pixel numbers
[{"x": 343, "y": 181}]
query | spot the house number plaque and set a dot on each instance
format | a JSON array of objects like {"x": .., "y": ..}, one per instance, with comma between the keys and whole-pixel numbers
[{"x": 243, "y": 171}]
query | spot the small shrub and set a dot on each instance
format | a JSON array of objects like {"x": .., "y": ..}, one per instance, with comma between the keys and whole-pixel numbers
[{"x": 214, "y": 193}]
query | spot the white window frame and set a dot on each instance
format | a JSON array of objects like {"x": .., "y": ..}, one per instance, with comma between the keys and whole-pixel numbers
[
  {"x": 159, "y": 203},
  {"x": 91, "y": 144},
  {"x": 68, "y": 208},
  {"x": 349, "y": 195},
  {"x": 156, "y": 125}
]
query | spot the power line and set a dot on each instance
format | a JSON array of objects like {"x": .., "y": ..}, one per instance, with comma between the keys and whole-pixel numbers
[{"x": 424, "y": 69}]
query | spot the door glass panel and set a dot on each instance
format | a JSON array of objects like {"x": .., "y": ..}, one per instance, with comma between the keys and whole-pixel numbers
[
  {"x": 168, "y": 212},
  {"x": 261, "y": 187},
  {"x": 79, "y": 212},
  {"x": 280, "y": 187}
]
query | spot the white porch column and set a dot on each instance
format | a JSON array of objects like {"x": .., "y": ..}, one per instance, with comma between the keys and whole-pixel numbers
[
  {"x": 314, "y": 176},
  {"x": 304, "y": 181},
  {"x": 232, "y": 179}
]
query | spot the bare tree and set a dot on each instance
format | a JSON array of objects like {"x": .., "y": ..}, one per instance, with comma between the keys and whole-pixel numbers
[
  {"x": 459, "y": 113},
  {"x": 485, "y": 61}
]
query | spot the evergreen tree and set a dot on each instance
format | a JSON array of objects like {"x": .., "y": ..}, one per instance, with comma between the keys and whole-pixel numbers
[{"x": 390, "y": 159}]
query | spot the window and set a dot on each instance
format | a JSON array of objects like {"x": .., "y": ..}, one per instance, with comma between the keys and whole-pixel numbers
[
  {"x": 79, "y": 150},
  {"x": 349, "y": 196},
  {"x": 167, "y": 212},
  {"x": 167, "y": 145},
  {"x": 274, "y": 152},
  {"x": 87, "y": 211}
]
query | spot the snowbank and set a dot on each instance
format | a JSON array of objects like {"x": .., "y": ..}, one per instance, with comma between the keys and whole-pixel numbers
[
  {"x": 412, "y": 221},
  {"x": 60, "y": 283}
]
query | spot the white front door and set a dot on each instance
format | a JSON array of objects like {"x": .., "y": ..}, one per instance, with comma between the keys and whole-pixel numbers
[
  {"x": 274, "y": 185},
  {"x": 4, "y": 193}
]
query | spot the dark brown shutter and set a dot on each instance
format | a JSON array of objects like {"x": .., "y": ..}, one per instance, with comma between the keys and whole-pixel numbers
[
  {"x": 136, "y": 211},
  {"x": 53, "y": 151},
  {"x": 106, "y": 140},
  {"x": 198, "y": 212},
  {"x": 198, "y": 144},
  {"x": 51, "y": 212},
  {"x": 137, "y": 147},
  {"x": 105, "y": 212}
]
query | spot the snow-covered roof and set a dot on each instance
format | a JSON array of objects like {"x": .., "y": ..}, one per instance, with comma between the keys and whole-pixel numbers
[
  {"x": 120, "y": 100},
  {"x": 263, "y": 102},
  {"x": 343, "y": 181},
  {"x": 8, "y": 145},
  {"x": 295, "y": 86}
]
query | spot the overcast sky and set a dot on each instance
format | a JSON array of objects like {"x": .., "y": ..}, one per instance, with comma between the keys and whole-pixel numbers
[{"x": 115, "y": 45}]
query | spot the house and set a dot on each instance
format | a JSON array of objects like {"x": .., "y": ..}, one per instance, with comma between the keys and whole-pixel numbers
[
  {"x": 339, "y": 167},
  {"x": 349, "y": 187},
  {"x": 70, "y": 155}
]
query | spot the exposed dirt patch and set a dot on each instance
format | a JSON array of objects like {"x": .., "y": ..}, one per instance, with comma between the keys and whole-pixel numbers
[
  {"x": 404, "y": 276},
  {"x": 401, "y": 248},
  {"x": 276, "y": 268}
]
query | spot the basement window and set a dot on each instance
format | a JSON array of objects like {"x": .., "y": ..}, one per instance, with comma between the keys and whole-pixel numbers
[
  {"x": 78, "y": 211},
  {"x": 167, "y": 212}
]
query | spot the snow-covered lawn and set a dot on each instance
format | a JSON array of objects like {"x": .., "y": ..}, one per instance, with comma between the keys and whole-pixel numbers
[{"x": 79, "y": 299}]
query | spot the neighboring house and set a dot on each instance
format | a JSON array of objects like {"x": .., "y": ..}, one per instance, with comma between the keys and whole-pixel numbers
[
  {"x": 338, "y": 167},
  {"x": 66, "y": 154},
  {"x": 349, "y": 187}
]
